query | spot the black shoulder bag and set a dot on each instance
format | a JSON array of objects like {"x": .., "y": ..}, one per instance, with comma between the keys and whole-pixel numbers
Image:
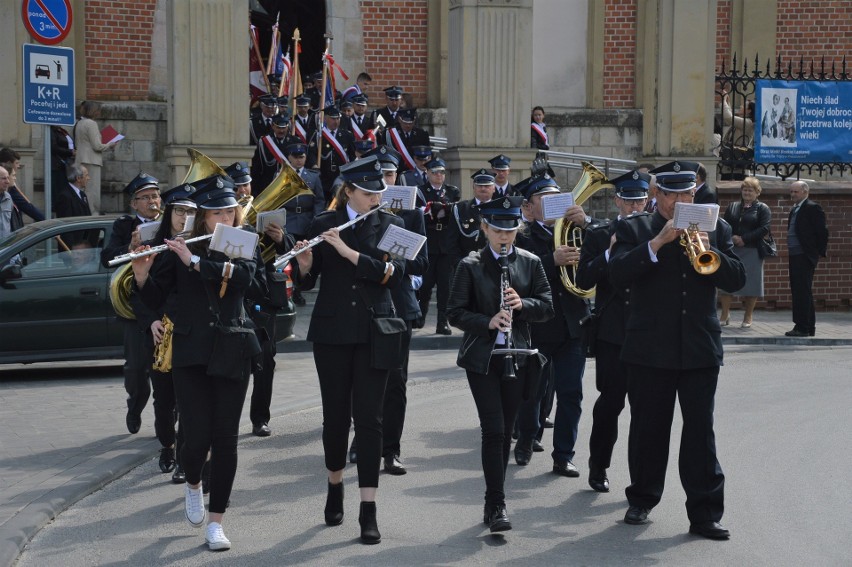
[
  {"x": 233, "y": 346},
  {"x": 385, "y": 338}
]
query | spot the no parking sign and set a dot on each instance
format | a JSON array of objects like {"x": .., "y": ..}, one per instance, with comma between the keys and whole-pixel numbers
[{"x": 48, "y": 21}]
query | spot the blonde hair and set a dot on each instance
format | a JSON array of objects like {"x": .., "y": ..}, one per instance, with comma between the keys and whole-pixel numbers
[{"x": 752, "y": 182}]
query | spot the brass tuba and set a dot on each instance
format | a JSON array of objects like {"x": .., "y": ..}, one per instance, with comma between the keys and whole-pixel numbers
[
  {"x": 120, "y": 283},
  {"x": 565, "y": 233},
  {"x": 286, "y": 185}
]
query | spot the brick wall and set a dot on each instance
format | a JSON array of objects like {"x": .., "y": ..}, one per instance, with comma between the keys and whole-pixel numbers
[
  {"x": 395, "y": 51},
  {"x": 814, "y": 29},
  {"x": 833, "y": 278},
  {"x": 723, "y": 34},
  {"x": 619, "y": 54},
  {"x": 118, "y": 48}
]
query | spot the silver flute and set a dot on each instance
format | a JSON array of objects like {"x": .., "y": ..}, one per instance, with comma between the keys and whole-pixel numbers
[
  {"x": 155, "y": 250},
  {"x": 285, "y": 258}
]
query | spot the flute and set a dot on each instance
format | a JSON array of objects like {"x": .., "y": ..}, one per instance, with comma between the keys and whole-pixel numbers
[
  {"x": 285, "y": 258},
  {"x": 155, "y": 250}
]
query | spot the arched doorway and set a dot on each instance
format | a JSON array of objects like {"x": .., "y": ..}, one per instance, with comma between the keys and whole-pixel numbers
[{"x": 307, "y": 15}]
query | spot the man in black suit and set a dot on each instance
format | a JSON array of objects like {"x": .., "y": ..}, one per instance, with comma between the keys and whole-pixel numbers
[
  {"x": 337, "y": 149},
  {"x": 360, "y": 122},
  {"x": 71, "y": 200},
  {"x": 304, "y": 124},
  {"x": 144, "y": 193},
  {"x": 501, "y": 167},
  {"x": 417, "y": 176},
  {"x": 404, "y": 135},
  {"x": 467, "y": 218},
  {"x": 807, "y": 240},
  {"x": 560, "y": 339},
  {"x": 704, "y": 193},
  {"x": 673, "y": 349},
  {"x": 437, "y": 197},
  {"x": 611, "y": 303},
  {"x": 260, "y": 123},
  {"x": 269, "y": 153},
  {"x": 393, "y": 98}
]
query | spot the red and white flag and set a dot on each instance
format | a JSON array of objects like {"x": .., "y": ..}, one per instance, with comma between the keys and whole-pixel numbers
[{"x": 257, "y": 85}]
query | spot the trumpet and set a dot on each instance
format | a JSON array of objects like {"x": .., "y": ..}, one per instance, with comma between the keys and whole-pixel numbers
[
  {"x": 704, "y": 261},
  {"x": 285, "y": 258},
  {"x": 155, "y": 250}
]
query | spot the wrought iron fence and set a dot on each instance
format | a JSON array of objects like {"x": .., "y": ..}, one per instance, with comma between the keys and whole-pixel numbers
[{"x": 736, "y": 88}]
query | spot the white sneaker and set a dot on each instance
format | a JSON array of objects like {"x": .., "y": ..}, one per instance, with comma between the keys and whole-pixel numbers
[
  {"x": 216, "y": 539},
  {"x": 194, "y": 506}
]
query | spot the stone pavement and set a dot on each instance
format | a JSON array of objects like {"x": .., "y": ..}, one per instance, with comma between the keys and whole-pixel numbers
[{"x": 63, "y": 424}]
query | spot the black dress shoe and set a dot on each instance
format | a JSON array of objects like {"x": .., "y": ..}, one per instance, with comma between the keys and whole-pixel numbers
[
  {"x": 710, "y": 530},
  {"x": 298, "y": 299},
  {"x": 133, "y": 421},
  {"x": 334, "y": 505},
  {"x": 393, "y": 466},
  {"x": 548, "y": 423},
  {"x": 179, "y": 476},
  {"x": 369, "y": 528},
  {"x": 523, "y": 453},
  {"x": 598, "y": 480},
  {"x": 565, "y": 469},
  {"x": 797, "y": 333},
  {"x": 167, "y": 459},
  {"x": 811, "y": 332},
  {"x": 261, "y": 430},
  {"x": 636, "y": 516},
  {"x": 443, "y": 329},
  {"x": 498, "y": 519},
  {"x": 418, "y": 323},
  {"x": 537, "y": 446}
]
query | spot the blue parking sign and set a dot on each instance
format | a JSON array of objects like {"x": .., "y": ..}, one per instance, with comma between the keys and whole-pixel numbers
[{"x": 48, "y": 85}]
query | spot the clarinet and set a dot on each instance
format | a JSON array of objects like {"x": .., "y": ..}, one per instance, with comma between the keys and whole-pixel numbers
[
  {"x": 508, "y": 351},
  {"x": 505, "y": 284}
]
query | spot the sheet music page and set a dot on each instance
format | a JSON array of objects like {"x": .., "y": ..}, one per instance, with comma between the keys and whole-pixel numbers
[
  {"x": 187, "y": 224},
  {"x": 554, "y": 205},
  {"x": 704, "y": 215},
  {"x": 278, "y": 216},
  {"x": 400, "y": 197},
  {"x": 148, "y": 230},
  {"x": 401, "y": 243},
  {"x": 234, "y": 242}
]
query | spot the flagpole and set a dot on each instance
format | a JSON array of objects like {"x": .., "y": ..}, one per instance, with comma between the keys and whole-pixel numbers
[
  {"x": 295, "y": 81},
  {"x": 273, "y": 47},
  {"x": 259, "y": 60},
  {"x": 328, "y": 38}
]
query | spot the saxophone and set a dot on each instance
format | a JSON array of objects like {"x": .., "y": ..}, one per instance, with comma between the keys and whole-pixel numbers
[{"x": 163, "y": 351}]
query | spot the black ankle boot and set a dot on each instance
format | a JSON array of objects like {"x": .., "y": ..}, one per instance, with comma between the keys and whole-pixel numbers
[
  {"x": 369, "y": 529},
  {"x": 498, "y": 519},
  {"x": 334, "y": 504}
]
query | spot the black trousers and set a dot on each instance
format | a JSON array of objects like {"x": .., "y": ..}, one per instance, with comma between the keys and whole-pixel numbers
[
  {"x": 439, "y": 273},
  {"x": 652, "y": 393},
  {"x": 351, "y": 391},
  {"x": 210, "y": 410},
  {"x": 396, "y": 401},
  {"x": 801, "y": 288},
  {"x": 263, "y": 371},
  {"x": 165, "y": 408},
  {"x": 138, "y": 358},
  {"x": 611, "y": 382},
  {"x": 497, "y": 403}
]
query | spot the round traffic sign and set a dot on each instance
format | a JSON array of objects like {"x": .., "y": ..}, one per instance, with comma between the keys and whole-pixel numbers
[{"x": 48, "y": 21}]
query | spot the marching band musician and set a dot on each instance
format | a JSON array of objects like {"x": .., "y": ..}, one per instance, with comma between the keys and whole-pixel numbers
[
  {"x": 466, "y": 217},
  {"x": 437, "y": 197},
  {"x": 178, "y": 207},
  {"x": 673, "y": 349},
  {"x": 210, "y": 406},
  {"x": 631, "y": 192},
  {"x": 475, "y": 306},
  {"x": 356, "y": 281},
  {"x": 144, "y": 193},
  {"x": 559, "y": 339},
  {"x": 337, "y": 149}
]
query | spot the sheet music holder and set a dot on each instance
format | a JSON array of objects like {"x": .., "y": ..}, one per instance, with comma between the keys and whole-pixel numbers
[
  {"x": 703, "y": 216},
  {"x": 401, "y": 243},
  {"x": 554, "y": 205},
  {"x": 278, "y": 216},
  {"x": 400, "y": 197},
  {"x": 234, "y": 242}
]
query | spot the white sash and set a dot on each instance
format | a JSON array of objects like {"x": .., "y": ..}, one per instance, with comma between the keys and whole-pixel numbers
[
  {"x": 273, "y": 148},
  {"x": 359, "y": 134},
  {"x": 540, "y": 131},
  {"x": 399, "y": 145},
  {"x": 326, "y": 134},
  {"x": 301, "y": 133}
]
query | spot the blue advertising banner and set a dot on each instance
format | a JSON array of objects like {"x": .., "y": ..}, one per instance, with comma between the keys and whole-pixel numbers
[{"x": 803, "y": 122}]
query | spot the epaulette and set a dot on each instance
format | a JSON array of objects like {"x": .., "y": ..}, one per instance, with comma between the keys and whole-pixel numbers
[{"x": 605, "y": 223}]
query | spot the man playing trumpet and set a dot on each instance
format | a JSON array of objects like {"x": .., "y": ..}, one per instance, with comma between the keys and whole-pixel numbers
[
  {"x": 673, "y": 348},
  {"x": 144, "y": 193}
]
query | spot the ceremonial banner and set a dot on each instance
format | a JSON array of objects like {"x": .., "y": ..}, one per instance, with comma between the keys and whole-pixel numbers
[{"x": 803, "y": 122}]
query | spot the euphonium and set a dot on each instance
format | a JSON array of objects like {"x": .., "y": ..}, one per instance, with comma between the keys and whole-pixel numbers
[
  {"x": 565, "y": 233},
  {"x": 163, "y": 351},
  {"x": 704, "y": 261}
]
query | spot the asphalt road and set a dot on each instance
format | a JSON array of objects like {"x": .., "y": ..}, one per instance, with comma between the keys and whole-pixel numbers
[{"x": 783, "y": 435}]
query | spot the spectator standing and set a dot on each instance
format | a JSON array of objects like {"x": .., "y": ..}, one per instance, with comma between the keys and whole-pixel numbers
[
  {"x": 11, "y": 160},
  {"x": 10, "y": 217},
  {"x": 807, "y": 240},
  {"x": 749, "y": 220},
  {"x": 538, "y": 128},
  {"x": 87, "y": 139}
]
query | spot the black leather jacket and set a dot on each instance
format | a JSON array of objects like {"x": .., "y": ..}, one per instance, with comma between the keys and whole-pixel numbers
[{"x": 475, "y": 298}]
